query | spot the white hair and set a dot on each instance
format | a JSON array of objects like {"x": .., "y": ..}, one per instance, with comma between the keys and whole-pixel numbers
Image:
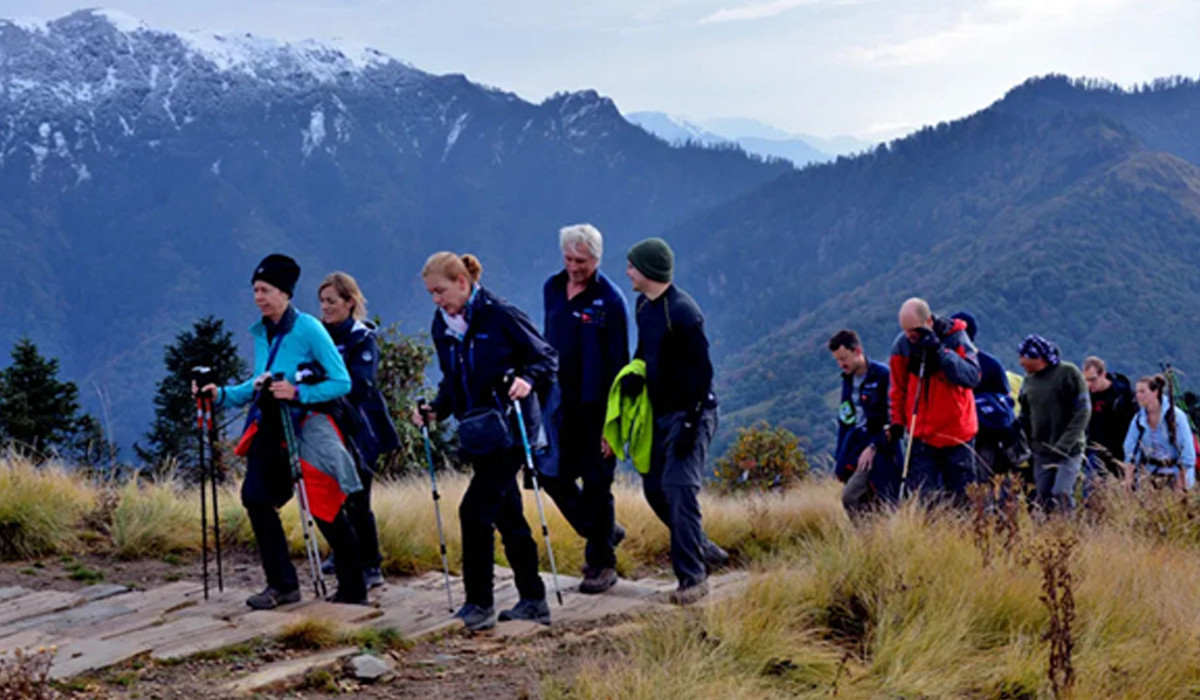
[{"x": 581, "y": 234}]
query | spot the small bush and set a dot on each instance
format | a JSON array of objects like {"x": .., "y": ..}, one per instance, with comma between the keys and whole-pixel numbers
[
  {"x": 761, "y": 459},
  {"x": 309, "y": 633},
  {"x": 153, "y": 519},
  {"x": 39, "y": 509}
]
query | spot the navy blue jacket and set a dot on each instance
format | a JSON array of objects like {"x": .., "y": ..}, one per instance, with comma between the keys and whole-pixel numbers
[
  {"x": 873, "y": 400},
  {"x": 499, "y": 338},
  {"x": 355, "y": 340},
  {"x": 671, "y": 340},
  {"x": 590, "y": 333}
]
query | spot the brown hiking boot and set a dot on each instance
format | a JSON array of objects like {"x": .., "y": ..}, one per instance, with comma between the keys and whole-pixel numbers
[
  {"x": 598, "y": 581},
  {"x": 690, "y": 594}
]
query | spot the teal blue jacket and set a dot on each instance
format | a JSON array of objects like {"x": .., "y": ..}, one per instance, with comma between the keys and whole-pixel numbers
[{"x": 306, "y": 341}]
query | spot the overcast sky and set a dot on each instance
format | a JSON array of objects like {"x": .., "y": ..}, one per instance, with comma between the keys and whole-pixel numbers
[{"x": 870, "y": 68}]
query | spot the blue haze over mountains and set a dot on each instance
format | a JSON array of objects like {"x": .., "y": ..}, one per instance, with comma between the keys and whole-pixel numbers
[{"x": 144, "y": 173}]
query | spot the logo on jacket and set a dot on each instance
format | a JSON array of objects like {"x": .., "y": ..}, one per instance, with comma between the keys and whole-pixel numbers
[{"x": 846, "y": 413}]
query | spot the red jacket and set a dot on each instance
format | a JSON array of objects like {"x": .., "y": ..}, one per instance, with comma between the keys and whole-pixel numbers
[{"x": 946, "y": 415}]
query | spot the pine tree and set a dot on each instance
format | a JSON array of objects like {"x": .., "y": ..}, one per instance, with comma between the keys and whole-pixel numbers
[
  {"x": 40, "y": 414},
  {"x": 172, "y": 436}
]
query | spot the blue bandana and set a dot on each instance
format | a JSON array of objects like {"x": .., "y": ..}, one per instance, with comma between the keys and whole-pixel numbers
[{"x": 1035, "y": 347}]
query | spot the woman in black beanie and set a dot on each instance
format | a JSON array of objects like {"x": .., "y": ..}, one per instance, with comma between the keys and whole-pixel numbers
[{"x": 285, "y": 341}]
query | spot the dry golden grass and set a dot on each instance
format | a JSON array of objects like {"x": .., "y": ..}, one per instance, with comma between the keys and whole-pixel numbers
[{"x": 40, "y": 508}]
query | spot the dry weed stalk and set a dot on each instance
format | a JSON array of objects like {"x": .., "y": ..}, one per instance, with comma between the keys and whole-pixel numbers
[
  {"x": 26, "y": 675},
  {"x": 1054, "y": 558}
]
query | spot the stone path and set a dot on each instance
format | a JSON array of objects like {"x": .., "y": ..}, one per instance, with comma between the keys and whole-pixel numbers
[{"x": 99, "y": 626}]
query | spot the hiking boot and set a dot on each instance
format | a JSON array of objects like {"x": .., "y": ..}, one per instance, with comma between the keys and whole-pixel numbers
[
  {"x": 328, "y": 566},
  {"x": 476, "y": 618},
  {"x": 525, "y": 609},
  {"x": 598, "y": 581},
  {"x": 270, "y": 598},
  {"x": 714, "y": 556},
  {"x": 373, "y": 577},
  {"x": 618, "y": 534},
  {"x": 689, "y": 594},
  {"x": 339, "y": 598}
]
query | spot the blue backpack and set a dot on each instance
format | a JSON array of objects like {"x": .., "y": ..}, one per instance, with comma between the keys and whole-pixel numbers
[{"x": 995, "y": 412}]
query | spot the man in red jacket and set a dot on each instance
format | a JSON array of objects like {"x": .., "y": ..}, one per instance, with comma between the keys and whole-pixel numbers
[{"x": 934, "y": 369}]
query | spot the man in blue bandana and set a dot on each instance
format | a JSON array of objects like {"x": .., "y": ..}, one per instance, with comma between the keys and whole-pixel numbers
[{"x": 1055, "y": 408}]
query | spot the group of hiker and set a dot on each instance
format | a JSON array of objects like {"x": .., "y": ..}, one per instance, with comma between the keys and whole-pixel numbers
[
  {"x": 942, "y": 414},
  {"x": 565, "y": 403}
]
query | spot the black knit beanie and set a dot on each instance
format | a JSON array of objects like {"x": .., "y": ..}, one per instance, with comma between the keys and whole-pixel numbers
[
  {"x": 653, "y": 258},
  {"x": 279, "y": 271}
]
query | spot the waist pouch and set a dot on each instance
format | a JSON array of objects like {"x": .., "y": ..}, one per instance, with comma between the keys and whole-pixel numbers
[{"x": 482, "y": 431}]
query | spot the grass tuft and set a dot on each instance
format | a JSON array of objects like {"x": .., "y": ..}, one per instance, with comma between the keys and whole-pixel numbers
[{"x": 40, "y": 508}]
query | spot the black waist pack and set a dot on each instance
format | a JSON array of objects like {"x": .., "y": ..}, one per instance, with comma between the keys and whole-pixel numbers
[{"x": 482, "y": 431}]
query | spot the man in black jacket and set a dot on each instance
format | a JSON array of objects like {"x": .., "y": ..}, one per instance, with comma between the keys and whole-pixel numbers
[
  {"x": 864, "y": 460},
  {"x": 587, "y": 324},
  {"x": 679, "y": 374}
]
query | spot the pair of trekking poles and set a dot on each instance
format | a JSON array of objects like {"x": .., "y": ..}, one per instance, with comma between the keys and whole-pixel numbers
[
  {"x": 537, "y": 496},
  {"x": 206, "y": 457},
  {"x": 207, "y": 431}
]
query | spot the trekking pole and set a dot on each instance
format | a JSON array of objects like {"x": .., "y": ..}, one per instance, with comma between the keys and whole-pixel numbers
[
  {"x": 203, "y": 497},
  {"x": 912, "y": 425},
  {"x": 306, "y": 524},
  {"x": 537, "y": 497},
  {"x": 212, "y": 478},
  {"x": 437, "y": 507}
]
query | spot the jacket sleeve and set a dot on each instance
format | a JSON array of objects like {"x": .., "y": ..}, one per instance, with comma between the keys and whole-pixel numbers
[
  {"x": 321, "y": 348},
  {"x": 877, "y": 418},
  {"x": 1131, "y": 439},
  {"x": 1187, "y": 446},
  {"x": 443, "y": 402},
  {"x": 617, "y": 353},
  {"x": 538, "y": 360},
  {"x": 236, "y": 395},
  {"x": 1023, "y": 413},
  {"x": 958, "y": 360},
  {"x": 898, "y": 384},
  {"x": 362, "y": 362},
  {"x": 1081, "y": 410}
]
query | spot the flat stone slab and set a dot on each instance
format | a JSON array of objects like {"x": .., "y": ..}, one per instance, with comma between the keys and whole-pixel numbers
[
  {"x": 282, "y": 672},
  {"x": 36, "y": 603},
  {"x": 103, "y": 625}
]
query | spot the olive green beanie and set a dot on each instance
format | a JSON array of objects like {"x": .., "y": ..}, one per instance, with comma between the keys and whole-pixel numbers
[{"x": 653, "y": 258}]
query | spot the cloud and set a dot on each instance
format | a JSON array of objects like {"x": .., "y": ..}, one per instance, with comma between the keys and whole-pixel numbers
[
  {"x": 761, "y": 11},
  {"x": 992, "y": 24}
]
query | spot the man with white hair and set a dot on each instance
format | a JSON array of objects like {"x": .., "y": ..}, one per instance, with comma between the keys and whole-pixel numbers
[{"x": 586, "y": 322}]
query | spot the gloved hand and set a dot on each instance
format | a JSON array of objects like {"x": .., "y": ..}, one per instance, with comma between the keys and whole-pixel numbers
[
  {"x": 632, "y": 385},
  {"x": 689, "y": 429},
  {"x": 895, "y": 431},
  {"x": 928, "y": 340}
]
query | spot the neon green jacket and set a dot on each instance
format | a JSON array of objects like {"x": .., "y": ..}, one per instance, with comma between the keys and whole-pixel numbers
[{"x": 630, "y": 420}]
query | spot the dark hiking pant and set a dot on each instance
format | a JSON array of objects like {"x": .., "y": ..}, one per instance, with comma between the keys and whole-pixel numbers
[
  {"x": 493, "y": 502},
  {"x": 941, "y": 471},
  {"x": 672, "y": 489},
  {"x": 362, "y": 519},
  {"x": 267, "y": 488},
  {"x": 589, "y": 509}
]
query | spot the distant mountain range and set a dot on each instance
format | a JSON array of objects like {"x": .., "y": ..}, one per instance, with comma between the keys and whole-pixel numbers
[
  {"x": 751, "y": 135},
  {"x": 1069, "y": 209},
  {"x": 145, "y": 173}
]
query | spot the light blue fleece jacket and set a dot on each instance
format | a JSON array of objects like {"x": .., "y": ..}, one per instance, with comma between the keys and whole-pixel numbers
[{"x": 306, "y": 341}]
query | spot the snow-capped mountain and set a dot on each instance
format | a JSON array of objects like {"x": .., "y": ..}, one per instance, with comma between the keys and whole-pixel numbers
[{"x": 145, "y": 172}]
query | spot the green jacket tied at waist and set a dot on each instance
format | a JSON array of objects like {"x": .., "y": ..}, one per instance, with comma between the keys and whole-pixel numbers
[{"x": 630, "y": 420}]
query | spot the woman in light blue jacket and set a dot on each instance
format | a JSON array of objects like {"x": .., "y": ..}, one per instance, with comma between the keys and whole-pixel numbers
[
  {"x": 1159, "y": 441},
  {"x": 288, "y": 345}
]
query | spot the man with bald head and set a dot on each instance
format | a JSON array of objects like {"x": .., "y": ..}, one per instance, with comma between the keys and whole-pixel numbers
[{"x": 934, "y": 368}]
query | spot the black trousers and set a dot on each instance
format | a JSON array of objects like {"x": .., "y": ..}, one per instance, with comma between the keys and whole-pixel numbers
[
  {"x": 589, "y": 509},
  {"x": 493, "y": 502},
  {"x": 362, "y": 519},
  {"x": 672, "y": 488},
  {"x": 267, "y": 488}
]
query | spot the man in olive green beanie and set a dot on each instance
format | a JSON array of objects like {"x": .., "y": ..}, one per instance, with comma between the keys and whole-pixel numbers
[{"x": 653, "y": 258}]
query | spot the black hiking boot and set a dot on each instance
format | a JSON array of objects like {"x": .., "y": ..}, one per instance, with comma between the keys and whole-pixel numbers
[
  {"x": 525, "y": 609},
  {"x": 476, "y": 618},
  {"x": 269, "y": 598},
  {"x": 598, "y": 581}
]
